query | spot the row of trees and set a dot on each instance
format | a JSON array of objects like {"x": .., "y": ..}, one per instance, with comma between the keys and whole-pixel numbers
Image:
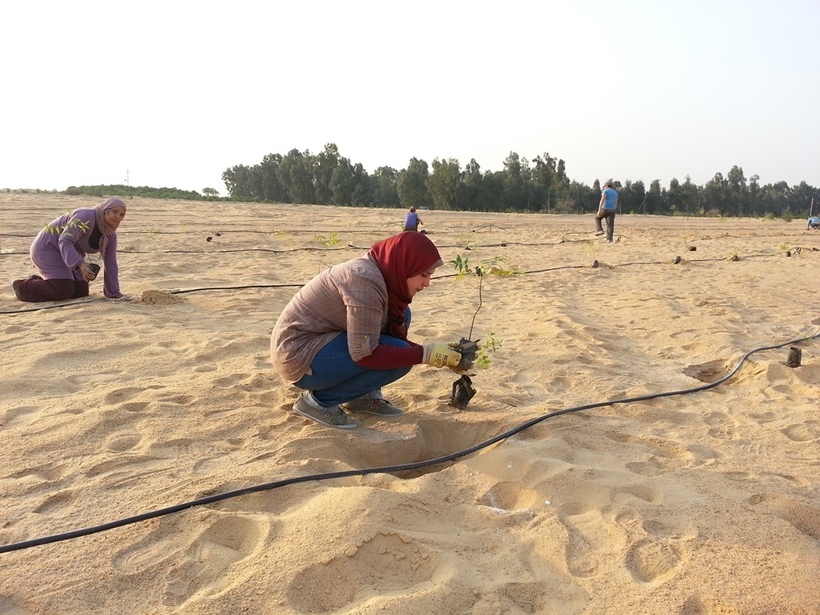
[
  {"x": 537, "y": 185},
  {"x": 105, "y": 191}
]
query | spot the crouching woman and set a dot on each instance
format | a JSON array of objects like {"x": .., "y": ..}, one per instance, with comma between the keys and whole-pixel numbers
[{"x": 343, "y": 336}]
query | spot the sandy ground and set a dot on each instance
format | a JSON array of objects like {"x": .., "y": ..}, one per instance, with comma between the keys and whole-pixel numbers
[{"x": 704, "y": 503}]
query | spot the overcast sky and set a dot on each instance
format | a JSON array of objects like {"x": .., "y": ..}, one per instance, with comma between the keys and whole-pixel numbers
[{"x": 173, "y": 93}]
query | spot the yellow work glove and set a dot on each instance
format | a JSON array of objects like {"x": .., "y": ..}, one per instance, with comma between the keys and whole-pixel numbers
[{"x": 440, "y": 354}]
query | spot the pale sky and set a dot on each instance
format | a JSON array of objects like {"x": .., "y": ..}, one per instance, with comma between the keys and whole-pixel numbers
[{"x": 173, "y": 93}]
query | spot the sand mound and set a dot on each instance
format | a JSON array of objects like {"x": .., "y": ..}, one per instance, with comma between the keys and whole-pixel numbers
[{"x": 159, "y": 297}]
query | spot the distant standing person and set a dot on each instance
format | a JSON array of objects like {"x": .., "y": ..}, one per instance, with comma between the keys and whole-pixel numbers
[
  {"x": 58, "y": 252},
  {"x": 412, "y": 220},
  {"x": 606, "y": 210}
]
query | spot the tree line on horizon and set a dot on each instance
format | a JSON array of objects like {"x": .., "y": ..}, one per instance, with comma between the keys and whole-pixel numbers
[
  {"x": 122, "y": 190},
  {"x": 540, "y": 185}
]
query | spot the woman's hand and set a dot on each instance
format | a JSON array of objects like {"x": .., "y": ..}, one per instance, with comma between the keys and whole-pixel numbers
[
  {"x": 440, "y": 354},
  {"x": 87, "y": 272}
]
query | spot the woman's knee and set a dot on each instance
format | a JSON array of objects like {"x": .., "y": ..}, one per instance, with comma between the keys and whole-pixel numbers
[
  {"x": 398, "y": 373},
  {"x": 80, "y": 290},
  {"x": 62, "y": 289}
]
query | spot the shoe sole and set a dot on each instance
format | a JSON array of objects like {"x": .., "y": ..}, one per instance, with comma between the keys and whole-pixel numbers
[
  {"x": 388, "y": 416},
  {"x": 351, "y": 408}
]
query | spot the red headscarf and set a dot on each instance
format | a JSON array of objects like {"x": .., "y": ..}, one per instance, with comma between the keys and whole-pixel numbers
[{"x": 401, "y": 257}]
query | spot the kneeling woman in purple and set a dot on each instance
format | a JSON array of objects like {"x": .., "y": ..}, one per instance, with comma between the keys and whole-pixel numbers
[{"x": 59, "y": 252}]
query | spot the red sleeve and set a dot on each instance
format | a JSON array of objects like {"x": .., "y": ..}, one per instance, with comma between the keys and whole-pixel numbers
[{"x": 392, "y": 357}]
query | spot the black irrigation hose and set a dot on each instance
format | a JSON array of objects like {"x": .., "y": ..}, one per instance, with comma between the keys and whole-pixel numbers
[
  {"x": 18, "y": 546},
  {"x": 51, "y": 306}
]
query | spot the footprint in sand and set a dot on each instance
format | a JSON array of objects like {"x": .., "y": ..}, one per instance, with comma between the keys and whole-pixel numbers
[
  {"x": 125, "y": 394},
  {"x": 651, "y": 560},
  {"x": 666, "y": 454},
  {"x": 47, "y": 473},
  {"x": 802, "y": 432},
  {"x": 55, "y": 503},
  {"x": 122, "y": 465},
  {"x": 391, "y": 562},
  {"x": 764, "y": 417},
  {"x": 202, "y": 567},
  {"x": 654, "y": 558},
  {"x": 697, "y": 605},
  {"x": 644, "y": 468},
  {"x": 229, "y": 381},
  {"x": 592, "y": 540},
  {"x": 207, "y": 561},
  {"x": 804, "y": 517},
  {"x": 526, "y": 376},
  {"x": 120, "y": 443},
  {"x": 26, "y": 413},
  {"x": 528, "y": 597},
  {"x": 721, "y": 426}
]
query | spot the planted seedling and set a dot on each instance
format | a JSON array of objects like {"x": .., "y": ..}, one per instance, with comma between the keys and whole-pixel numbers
[
  {"x": 463, "y": 389},
  {"x": 329, "y": 241},
  {"x": 491, "y": 344},
  {"x": 56, "y": 229}
]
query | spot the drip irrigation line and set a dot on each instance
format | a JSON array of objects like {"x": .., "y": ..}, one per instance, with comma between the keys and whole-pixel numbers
[
  {"x": 179, "y": 291},
  {"x": 174, "y": 291},
  {"x": 233, "y": 231},
  {"x": 229, "y": 250},
  {"x": 489, "y": 226},
  {"x": 217, "y": 251},
  {"x": 392, "y": 469},
  {"x": 355, "y": 247},
  {"x": 51, "y": 306}
]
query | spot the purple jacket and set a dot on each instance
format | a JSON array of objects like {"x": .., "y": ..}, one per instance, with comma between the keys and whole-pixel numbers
[{"x": 59, "y": 249}]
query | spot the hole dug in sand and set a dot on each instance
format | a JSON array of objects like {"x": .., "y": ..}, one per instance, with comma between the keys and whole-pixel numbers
[
  {"x": 707, "y": 372},
  {"x": 429, "y": 438}
]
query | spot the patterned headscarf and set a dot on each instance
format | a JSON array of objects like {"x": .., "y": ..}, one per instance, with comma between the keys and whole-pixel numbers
[{"x": 401, "y": 257}]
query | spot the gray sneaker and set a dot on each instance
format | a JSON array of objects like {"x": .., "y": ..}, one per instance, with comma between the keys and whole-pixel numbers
[
  {"x": 379, "y": 407},
  {"x": 332, "y": 416}
]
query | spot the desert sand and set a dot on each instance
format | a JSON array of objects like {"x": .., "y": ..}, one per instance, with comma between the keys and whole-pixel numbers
[{"x": 702, "y": 503}]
